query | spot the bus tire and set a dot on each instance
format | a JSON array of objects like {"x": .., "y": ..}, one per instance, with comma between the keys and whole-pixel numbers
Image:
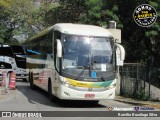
[
  {"x": 51, "y": 96},
  {"x": 95, "y": 101},
  {"x": 50, "y": 90},
  {"x": 32, "y": 86}
]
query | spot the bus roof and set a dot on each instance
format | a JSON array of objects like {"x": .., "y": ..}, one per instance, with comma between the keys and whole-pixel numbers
[
  {"x": 81, "y": 29},
  {"x": 77, "y": 29}
]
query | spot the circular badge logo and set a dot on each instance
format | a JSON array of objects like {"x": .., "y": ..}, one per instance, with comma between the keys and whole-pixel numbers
[{"x": 145, "y": 15}]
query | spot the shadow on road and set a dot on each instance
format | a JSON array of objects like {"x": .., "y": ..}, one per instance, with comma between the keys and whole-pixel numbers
[{"x": 41, "y": 97}]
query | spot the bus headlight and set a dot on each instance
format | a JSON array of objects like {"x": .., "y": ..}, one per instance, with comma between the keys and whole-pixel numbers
[
  {"x": 64, "y": 82},
  {"x": 111, "y": 86}
]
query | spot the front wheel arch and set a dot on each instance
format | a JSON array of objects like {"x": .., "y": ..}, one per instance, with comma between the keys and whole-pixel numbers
[{"x": 51, "y": 96}]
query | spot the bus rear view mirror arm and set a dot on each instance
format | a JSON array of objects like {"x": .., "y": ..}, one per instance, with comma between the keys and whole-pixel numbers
[{"x": 59, "y": 48}]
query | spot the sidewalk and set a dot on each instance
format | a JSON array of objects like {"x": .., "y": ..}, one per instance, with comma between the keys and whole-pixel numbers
[
  {"x": 4, "y": 96},
  {"x": 138, "y": 102}
]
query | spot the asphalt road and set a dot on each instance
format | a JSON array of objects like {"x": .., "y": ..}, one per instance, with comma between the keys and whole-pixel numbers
[{"x": 26, "y": 99}]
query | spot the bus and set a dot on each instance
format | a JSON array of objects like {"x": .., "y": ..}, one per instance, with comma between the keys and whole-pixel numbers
[
  {"x": 13, "y": 58},
  {"x": 20, "y": 58},
  {"x": 74, "y": 62},
  {"x": 7, "y": 61}
]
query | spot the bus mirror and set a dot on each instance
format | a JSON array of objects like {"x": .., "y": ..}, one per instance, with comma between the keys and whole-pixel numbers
[
  {"x": 59, "y": 48},
  {"x": 120, "y": 55},
  {"x": 122, "y": 51}
]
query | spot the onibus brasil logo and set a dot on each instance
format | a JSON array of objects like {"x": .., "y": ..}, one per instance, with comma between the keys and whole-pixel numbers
[{"x": 145, "y": 15}]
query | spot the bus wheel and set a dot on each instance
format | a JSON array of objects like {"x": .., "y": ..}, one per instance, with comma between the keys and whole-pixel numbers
[
  {"x": 31, "y": 82},
  {"x": 51, "y": 97},
  {"x": 50, "y": 90},
  {"x": 94, "y": 102}
]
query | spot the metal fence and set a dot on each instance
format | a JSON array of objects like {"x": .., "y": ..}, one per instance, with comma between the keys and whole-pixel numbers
[{"x": 139, "y": 81}]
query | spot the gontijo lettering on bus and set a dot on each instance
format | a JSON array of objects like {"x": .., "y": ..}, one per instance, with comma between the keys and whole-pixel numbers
[{"x": 88, "y": 84}]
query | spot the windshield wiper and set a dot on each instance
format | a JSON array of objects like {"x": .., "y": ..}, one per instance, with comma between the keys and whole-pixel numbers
[{"x": 80, "y": 72}]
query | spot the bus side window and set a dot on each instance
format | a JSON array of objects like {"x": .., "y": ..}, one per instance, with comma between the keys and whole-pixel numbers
[{"x": 57, "y": 35}]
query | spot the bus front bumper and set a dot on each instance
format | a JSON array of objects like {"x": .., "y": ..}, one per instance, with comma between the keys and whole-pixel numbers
[{"x": 68, "y": 93}]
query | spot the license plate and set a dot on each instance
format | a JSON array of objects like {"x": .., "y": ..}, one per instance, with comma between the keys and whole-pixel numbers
[{"x": 89, "y": 95}]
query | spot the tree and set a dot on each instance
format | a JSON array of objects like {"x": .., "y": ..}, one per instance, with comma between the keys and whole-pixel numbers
[
  {"x": 97, "y": 12},
  {"x": 41, "y": 13},
  {"x": 100, "y": 12},
  {"x": 15, "y": 15},
  {"x": 4, "y": 4},
  {"x": 153, "y": 35},
  {"x": 20, "y": 16},
  {"x": 136, "y": 39},
  {"x": 67, "y": 11}
]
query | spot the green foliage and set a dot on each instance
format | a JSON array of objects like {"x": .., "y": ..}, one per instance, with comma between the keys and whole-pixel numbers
[
  {"x": 156, "y": 100},
  {"x": 97, "y": 12},
  {"x": 100, "y": 12},
  {"x": 41, "y": 14},
  {"x": 136, "y": 39},
  {"x": 3, "y": 29},
  {"x": 141, "y": 96},
  {"x": 66, "y": 11},
  {"x": 5, "y": 3},
  {"x": 151, "y": 33},
  {"x": 19, "y": 16},
  {"x": 13, "y": 17}
]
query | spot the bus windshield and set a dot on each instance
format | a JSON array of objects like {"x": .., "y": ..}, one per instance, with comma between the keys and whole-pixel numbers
[
  {"x": 6, "y": 51},
  {"x": 20, "y": 55},
  {"x": 18, "y": 50},
  {"x": 84, "y": 53}
]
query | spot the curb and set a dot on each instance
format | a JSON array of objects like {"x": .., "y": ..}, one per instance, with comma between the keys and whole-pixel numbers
[
  {"x": 130, "y": 102},
  {"x": 139, "y": 103}
]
